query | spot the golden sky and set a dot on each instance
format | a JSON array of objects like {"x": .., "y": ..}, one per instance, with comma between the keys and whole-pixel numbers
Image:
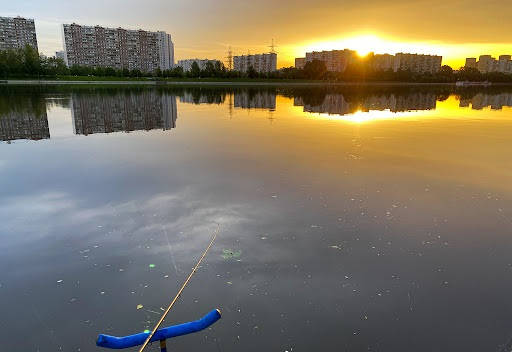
[{"x": 452, "y": 28}]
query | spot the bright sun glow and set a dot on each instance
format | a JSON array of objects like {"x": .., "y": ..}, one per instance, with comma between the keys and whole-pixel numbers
[{"x": 366, "y": 43}]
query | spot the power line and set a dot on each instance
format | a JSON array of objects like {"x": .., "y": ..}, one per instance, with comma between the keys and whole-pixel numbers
[{"x": 230, "y": 58}]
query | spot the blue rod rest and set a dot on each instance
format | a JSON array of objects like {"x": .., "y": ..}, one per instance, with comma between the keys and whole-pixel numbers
[{"x": 119, "y": 343}]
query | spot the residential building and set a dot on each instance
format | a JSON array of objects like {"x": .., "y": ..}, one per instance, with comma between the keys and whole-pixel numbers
[
  {"x": 505, "y": 64},
  {"x": 471, "y": 62},
  {"x": 338, "y": 61},
  {"x": 166, "y": 50},
  {"x": 186, "y": 65},
  {"x": 335, "y": 60},
  {"x": 384, "y": 62},
  {"x": 262, "y": 63},
  {"x": 123, "y": 112},
  {"x": 300, "y": 62},
  {"x": 117, "y": 48},
  {"x": 487, "y": 64},
  {"x": 17, "y": 32},
  {"x": 417, "y": 63}
]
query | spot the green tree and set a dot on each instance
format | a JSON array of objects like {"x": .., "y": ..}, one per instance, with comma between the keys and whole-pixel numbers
[
  {"x": 446, "y": 70},
  {"x": 31, "y": 60},
  {"x": 251, "y": 72},
  {"x": 315, "y": 69},
  {"x": 195, "y": 71}
]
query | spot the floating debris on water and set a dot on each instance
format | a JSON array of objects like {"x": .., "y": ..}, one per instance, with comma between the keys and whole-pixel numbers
[
  {"x": 229, "y": 283},
  {"x": 147, "y": 331},
  {"x": 229, "y": 254},
  {"x": 151, "y": 265},
  {"x": 59, "y": 281},
  {"x": 166, "y": 276},
  {"x": 140, "y": 306},
  {"x": 335, "y": 247}
]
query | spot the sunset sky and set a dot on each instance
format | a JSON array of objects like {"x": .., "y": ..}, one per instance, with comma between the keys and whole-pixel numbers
[{"x": 454, "y": 29}]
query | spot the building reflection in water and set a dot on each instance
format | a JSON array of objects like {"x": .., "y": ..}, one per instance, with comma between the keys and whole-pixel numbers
[
  {"x": 239, "y": 98},
  {"x": 23, "y": 117},
  {"x": 23, "y": 112},
  {"x": 337, "y": 104},
  {"x": 480, "y": 101},
  {"x": 255, "y": 99},
  {"x": 124, "y": 111},
  {"x": 202, "y": 96}
]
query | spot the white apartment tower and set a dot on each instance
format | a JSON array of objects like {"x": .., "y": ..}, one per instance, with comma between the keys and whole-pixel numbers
[
  {"x": 166, "y": 48},
  {"x": 262, "y": 63},
  {"x": 16, "y": 32},
  {"x": 117, "y": 48}
]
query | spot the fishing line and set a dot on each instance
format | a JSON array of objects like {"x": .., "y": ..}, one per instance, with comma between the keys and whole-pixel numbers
[{"x": 179, "y": 292}]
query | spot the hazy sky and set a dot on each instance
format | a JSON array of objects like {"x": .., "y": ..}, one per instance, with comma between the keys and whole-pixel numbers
[{"x": 452, "y": 28}]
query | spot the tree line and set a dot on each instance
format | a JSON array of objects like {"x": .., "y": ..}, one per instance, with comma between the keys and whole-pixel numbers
[{"x": 27, "y": 63}]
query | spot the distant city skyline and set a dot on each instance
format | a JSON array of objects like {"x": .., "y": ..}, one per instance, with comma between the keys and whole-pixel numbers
[{"x": 296, "y": 26}]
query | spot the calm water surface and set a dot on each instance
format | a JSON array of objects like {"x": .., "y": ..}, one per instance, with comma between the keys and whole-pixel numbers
[{"x": 350, "y": 220}]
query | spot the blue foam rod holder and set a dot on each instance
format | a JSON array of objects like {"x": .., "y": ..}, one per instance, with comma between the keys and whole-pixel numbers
[{"x": 119, "y": 343}]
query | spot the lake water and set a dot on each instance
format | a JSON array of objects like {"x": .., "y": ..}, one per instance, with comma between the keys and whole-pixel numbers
[{"x": 351, "y": 219}]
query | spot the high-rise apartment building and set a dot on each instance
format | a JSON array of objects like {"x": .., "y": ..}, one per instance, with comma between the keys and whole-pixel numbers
[
  {"x": 338, "y": 61},
  {"x": 17, "y": 32},
  {"x": 186, "y": 65},
  {"x": 117, "y": 48},
  {"x": 384, "y": 62},
  {"x": 471, "y": 62},
  {"x": 300, "y": 63},
  {"x": 262, "y": 63},
  {"x": 487, "y": 64},
  {"x": 407, "y": 62},
  {"x": 505, "y": 64},
  {"x": 417, "y": 63},
  {"x": 335, "y": 60}
]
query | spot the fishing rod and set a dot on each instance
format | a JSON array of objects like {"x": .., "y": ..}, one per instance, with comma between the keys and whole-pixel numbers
[{"x": 179, "y": 293}]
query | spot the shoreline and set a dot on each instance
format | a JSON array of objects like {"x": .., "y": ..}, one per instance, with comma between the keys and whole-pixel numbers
[
  {"x": 216, "y": 83},
  {"x": 158, "y": 83}
]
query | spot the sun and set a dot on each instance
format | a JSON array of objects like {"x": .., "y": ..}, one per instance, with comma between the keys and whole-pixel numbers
[{"x": 366, "y": 44}]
